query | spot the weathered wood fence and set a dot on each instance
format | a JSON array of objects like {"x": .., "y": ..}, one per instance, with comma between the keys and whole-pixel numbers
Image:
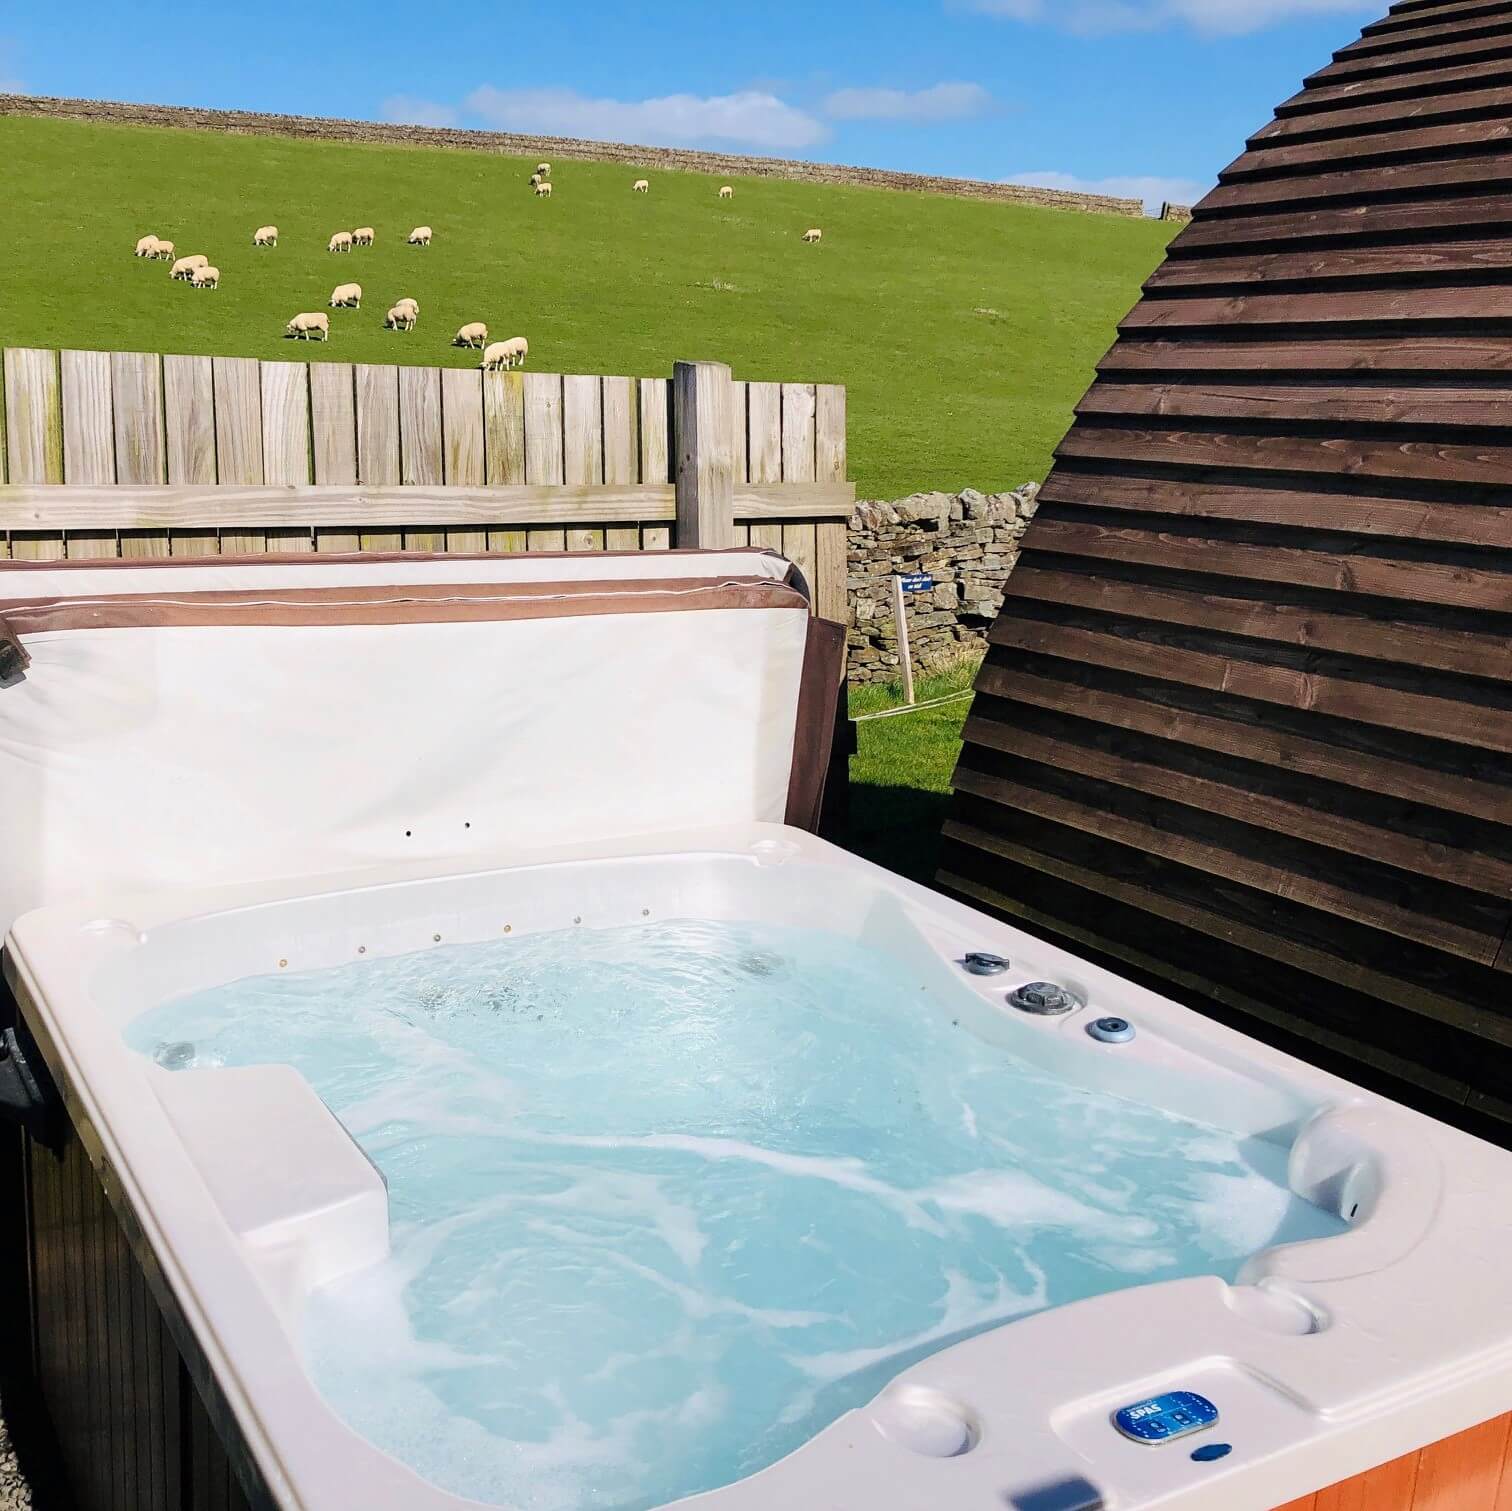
[{"x": 137, "y": 454}]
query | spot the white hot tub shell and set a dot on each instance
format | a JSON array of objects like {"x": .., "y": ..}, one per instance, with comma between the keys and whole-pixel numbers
[{"x": 241, "y": 1193}]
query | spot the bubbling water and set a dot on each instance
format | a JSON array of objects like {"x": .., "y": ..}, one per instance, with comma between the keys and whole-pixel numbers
[{"x": 667, "y": 1200}]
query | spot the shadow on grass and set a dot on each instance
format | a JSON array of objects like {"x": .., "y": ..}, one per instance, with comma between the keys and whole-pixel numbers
[{"x": 897, "y": 827}]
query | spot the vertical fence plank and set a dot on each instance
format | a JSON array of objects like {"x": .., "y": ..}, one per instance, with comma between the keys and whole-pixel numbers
[
  {"x": 333, "y": 430},
  {"x": 34, "y": 437},
  {"x": 655, "y": 451},
  {"x": 88, "y": 438},
  {"x": 377, "y": 394},
  {"x": 420, "y": 451},
  {"x": 621, "y": 452},
  {"x": 764, "y": 432},
  {"x": 286, "y": 440},
  {"x": 741, "y": 402},
  {"x": 799, "y": 538},
  {"x": 831, "y": 537},
  {"x": 136, "y": 381},
  {"x": 504, "y": 443},
  {"x": 704, "y": 436},
  {"x": 239, "y": 439},
  {"x": 189, "y": 428},
  {"x": 463, "y": 443},
  {"x": 544, "y": 458},
  {"x": 583, "y": 447}
]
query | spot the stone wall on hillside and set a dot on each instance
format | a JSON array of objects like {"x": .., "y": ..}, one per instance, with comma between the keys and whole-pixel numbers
[
  {"x": 967, "y": 542},
  {"x": 256, "y": 123}
]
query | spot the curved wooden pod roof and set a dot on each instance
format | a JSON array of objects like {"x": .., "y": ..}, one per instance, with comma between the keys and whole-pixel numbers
[{"x": 1245, "y": 727}]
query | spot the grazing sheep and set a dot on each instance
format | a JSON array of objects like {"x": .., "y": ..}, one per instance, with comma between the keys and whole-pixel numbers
[
  {"x": 812, "y": 235},
  {"x": 303, "y": 327},
  {"x": 543, "y": 189},
  {"x": 346, "y": 296},
  {"x": 400, "y": 318},
  {"x": 516, "y": 349},
  {"x": 205, "y": 278},
  {"x": 412, "y": 305},
  {"x": 420, "y": 236},
  {"x": 494, "y": 356},
  {"x": 641, "y": 186},
  {"x": 544, "y": 169},
  {"x": 265, "y": 236},
  {"x": 363, "y": 236},
  {"x": 535, "y": 180},
  {"x": 164, "y": 251},
  {"x": 147, "y": 247},
  {"x": 726, "y": 191},
  {"x": 341, "y": 241},
  {"x": 475, "y": 334},
  {"x": 184, "y": 268}
]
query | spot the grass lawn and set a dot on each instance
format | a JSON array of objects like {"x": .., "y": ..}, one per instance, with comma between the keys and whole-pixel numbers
[
  {"x": 900, "y": 776},
  {"x": 965, "y": 331}
]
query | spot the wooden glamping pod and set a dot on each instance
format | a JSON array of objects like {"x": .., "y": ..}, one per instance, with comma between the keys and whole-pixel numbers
[{"x": 1244, "y": 730}]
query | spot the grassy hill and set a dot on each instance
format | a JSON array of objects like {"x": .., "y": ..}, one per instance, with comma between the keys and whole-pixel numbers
[{"x": 965, "y": 331}]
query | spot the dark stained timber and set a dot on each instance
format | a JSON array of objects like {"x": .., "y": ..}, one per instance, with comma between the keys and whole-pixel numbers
[{"x": 1245, "y": 724}]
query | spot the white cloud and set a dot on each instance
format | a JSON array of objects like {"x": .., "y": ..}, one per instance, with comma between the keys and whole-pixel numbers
[
  {"x": 1211, "y": 17},
  {"x": 407, "y": 110},
  {"x": 940, "y": 102},
  {"x": 751, "y": 117},
  {"x": 1151, "y": 188},
  {"x": 10, "y": 81}
]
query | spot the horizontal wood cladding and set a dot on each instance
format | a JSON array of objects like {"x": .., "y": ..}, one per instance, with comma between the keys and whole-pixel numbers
[{"x": 1245, "y": 725}]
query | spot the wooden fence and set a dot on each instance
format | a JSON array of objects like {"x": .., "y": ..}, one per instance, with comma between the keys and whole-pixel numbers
[{"x": 137, "y": 454}]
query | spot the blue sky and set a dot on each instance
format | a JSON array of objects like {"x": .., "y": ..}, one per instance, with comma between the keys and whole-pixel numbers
[{"x": 1148, "y": 97}]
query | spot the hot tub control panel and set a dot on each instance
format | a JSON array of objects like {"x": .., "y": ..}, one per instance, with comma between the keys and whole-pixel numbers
[{"x": 1176, "y": 1414}]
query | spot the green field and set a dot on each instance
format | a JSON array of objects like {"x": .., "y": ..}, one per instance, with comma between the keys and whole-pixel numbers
[{"x": 965, "y": 331}]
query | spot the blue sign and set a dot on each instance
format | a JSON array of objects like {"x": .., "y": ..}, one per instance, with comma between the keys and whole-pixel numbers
[
  {"x": 918, "y": 582},
  {"x": 1161, "y": 1418}
]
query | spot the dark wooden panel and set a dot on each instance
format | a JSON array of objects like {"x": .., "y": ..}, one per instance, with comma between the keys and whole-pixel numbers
[
  {"x": 1245, "y": 724},
  {"x": 1302, "y": 509},
  {"x": 132, "y": 1431}
]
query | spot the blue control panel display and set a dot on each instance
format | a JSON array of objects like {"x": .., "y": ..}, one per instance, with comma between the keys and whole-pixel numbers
[{"x": 1161, "y": 1419}]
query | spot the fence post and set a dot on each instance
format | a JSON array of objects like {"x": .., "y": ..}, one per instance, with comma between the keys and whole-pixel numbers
[{"x": 703, "y": 409}]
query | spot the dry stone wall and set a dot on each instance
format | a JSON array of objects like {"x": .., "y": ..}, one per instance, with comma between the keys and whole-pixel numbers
[
  {"x": 967, "y": 542},
  {"x": 674, "y": 159}
]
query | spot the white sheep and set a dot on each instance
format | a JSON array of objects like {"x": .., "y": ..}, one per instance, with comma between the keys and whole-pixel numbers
[
  {"x": 412, "y": 305},
  {"x": 812, "y": 235},
  {"x": 726, "y": 191},
  {"x": 205, "y": 278},
  {"x": 420, "y": 236},
  {"x": 184, "y": 268},
  {"x": 346, "y": 296},
  {"x": 544, "y": 169},
  {"x": 641, "y": 186},
  {"x": 543, "y": 189},
  {"x": 475, "y": 334},
  {"x": 399, "y": 318},
  {"x": 164, "y": 251},
  {"x": 265, "y": 236},
  {"x": 147, "y": 246},
  {"x": 535, "y": 180},
  {"x": 341, "y": 241},
  {"x": 502, "y": 354},
  {"x": 363, "y": 236},
  {"x": 303, "y": 327}
]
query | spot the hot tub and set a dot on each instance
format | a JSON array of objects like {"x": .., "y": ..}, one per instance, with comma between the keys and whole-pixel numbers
[
  {"x": 1322, "y": 1357},
  {"x": 509, "y": 1102}
]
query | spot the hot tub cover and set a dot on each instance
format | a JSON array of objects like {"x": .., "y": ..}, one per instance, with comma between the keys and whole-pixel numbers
[{"x": 226, "y": 719}]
